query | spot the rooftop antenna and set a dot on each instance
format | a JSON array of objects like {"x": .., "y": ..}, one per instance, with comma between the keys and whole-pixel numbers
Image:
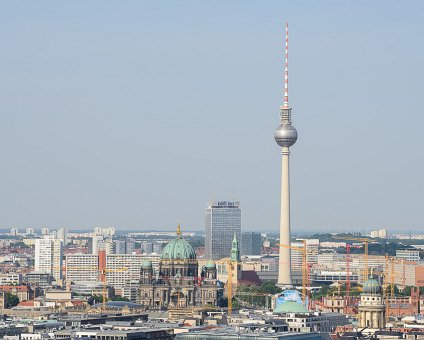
[{"x": 286, "y": 71}]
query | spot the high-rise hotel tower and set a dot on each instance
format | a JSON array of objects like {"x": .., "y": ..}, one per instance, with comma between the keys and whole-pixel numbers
[
  {"x": 223, "y": 221},
  {"x": 285, "y": 136}
]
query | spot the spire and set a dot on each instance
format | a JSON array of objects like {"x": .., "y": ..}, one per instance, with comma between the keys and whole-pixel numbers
[
  {"x": 235, "y": 252},
  {"x": 179, "y": 231},
  {"x": 286, "y": 71}
]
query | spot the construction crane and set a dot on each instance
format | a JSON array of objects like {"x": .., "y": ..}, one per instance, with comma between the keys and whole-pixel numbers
[
  {"x": 305, "y": 278},
  {"x": 230, "y": 285},
  {"x": 347, "y": 294},
  {"x": 391, "y": 262},
  {"x": 389, "y": 280},
  {"x": 360, "y": 239},
  {"x": 103, "y": 276},
  {"x": 347, "y": 271}
]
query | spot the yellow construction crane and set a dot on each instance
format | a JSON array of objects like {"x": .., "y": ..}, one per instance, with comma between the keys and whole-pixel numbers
[
  {"x": 305, "y": 278},
  {"x": 230, "y": 286},
  {"x": 104, "y": 279},
  {"x": 360, "y": 239}
]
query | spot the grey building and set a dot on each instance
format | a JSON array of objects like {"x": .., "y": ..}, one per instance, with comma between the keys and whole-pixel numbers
[
  {"x": 39, "y": 279},
  {"x": 120, "y": 247},
  {"x": 146, "y": 247},
  {"x": 130, "y": 246},
  {"x": 251, "y": 243},
  {"x": 223, "y": 220}
]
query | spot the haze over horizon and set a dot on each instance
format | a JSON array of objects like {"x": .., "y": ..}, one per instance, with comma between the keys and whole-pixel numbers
[{"x": 129, "y": 114}]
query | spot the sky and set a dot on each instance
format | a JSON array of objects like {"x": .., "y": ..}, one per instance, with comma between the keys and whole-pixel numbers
[{"x": 134, "y": 113}]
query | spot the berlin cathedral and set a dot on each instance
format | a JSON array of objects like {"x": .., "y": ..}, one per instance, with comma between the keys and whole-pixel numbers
[{"x": 179, "y": 283}]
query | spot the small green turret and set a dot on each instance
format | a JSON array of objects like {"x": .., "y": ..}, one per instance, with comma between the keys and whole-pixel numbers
[{"x": 235, "y": 252}]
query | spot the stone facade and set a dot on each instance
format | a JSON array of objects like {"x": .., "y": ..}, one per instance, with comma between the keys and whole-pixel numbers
[
  {"x": 372, "y": 310},
  {"x": 178, "y": 284}
]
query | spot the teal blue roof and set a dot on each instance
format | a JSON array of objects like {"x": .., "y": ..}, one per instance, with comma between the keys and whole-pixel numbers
[
  {"x": 146, "y": 264},
  {"x": 178, "y": 249},
  {"x": 210, "y": 264},
  {"x": 371, "y": 286},
  {"x": 290, "y": 307}
]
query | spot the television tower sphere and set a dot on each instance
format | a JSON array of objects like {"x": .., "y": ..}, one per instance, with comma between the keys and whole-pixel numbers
[{"x": 285, "y": 135}]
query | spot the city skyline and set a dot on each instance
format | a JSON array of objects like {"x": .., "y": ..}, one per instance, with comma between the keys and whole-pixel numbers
[{"x": 87, "y": 110}]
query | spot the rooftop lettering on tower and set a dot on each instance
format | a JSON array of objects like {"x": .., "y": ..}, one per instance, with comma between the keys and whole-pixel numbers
[{"x": 227, "y": 204}]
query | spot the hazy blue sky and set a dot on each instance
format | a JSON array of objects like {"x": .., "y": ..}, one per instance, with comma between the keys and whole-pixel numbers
[{"x": 131, "y": 113}]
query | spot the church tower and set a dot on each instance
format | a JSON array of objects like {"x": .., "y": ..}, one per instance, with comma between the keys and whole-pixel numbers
[
  {"x": 372, "y": 310},
  {"x": 235, "y": 251}
]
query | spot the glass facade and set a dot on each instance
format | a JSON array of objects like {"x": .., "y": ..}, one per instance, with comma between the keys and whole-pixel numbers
[
  {"x": 223, "y": 220},
  {"x": 251, "y": 243}
]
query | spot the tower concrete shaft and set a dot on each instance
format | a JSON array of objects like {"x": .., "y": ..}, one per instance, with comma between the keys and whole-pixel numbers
[
  {"x": 284, "y": 264},
  {"x": 285, "y": 136}
]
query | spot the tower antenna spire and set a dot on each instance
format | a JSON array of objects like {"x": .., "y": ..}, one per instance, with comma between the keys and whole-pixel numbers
[{"x": 286, "y": 70}]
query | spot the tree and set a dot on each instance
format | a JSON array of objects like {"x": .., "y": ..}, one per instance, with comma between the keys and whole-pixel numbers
[
  {"x": 98, "y": 298},
  {"x": 11, "y": 300},
  {"x": 119, "y": 298},
  {"x": 269, "y": 288}
]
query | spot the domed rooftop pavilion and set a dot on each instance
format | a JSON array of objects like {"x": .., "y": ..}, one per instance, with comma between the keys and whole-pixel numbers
[
  {"x": 210, "y": 264},
  {"x": 178, "y": 249},
  {"x": 371, "y": 286}
]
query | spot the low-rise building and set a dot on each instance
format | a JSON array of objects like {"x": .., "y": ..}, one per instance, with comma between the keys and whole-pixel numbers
[
  {"x": 10, "y": 279},
  {"x": 313, "y": 321},
  {"x": 40, "y": 280},
  {"x": 22, "y": 292}
]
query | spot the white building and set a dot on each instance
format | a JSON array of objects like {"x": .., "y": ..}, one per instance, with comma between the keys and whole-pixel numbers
[
  {"x": 312, "y": 249},
  {"x": 100, "y": 242},
  {"x": 313, "y": 321},
  {"x": 107, "y": 231},
  {"x": 381, "y": 233},
  {"x": 44, "y": 231},
  {"x": 62, "y": 234},
  {"x": 124, "y": 268},
  {"x": 29, "y": 231},
  {"x": 48, "y": 257},
  {"x": 106, "y": 245},
  {"x": 408, "y": 254},
  {"x": 121, "y": 268},
  {"x": 14, "y": 231},
  {"x": 8, "y": 279},
  {"x": 82, "y": 267}
]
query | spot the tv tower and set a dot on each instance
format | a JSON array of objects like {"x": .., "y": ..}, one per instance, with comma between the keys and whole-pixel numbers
[{"x": 285, "y": 136}]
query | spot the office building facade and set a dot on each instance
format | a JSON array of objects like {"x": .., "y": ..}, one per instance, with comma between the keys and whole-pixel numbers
[
  {"x": 82, "y": 268},
  {"x": 223, "y": 220}
]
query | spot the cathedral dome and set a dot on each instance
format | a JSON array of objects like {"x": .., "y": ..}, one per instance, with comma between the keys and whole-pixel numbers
[
  {"x": 178, "y": 249},
  {"x": 371, "y": 286}
]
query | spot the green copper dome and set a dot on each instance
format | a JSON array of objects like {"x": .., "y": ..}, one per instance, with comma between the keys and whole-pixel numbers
[
  {"x": 146, "y": 264},
  {"x": 290, "y": 307},
  {"x": 371, "y": 286},
  {"x": 210, "y": 264},
  {"x": 178, "y": 249}
]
